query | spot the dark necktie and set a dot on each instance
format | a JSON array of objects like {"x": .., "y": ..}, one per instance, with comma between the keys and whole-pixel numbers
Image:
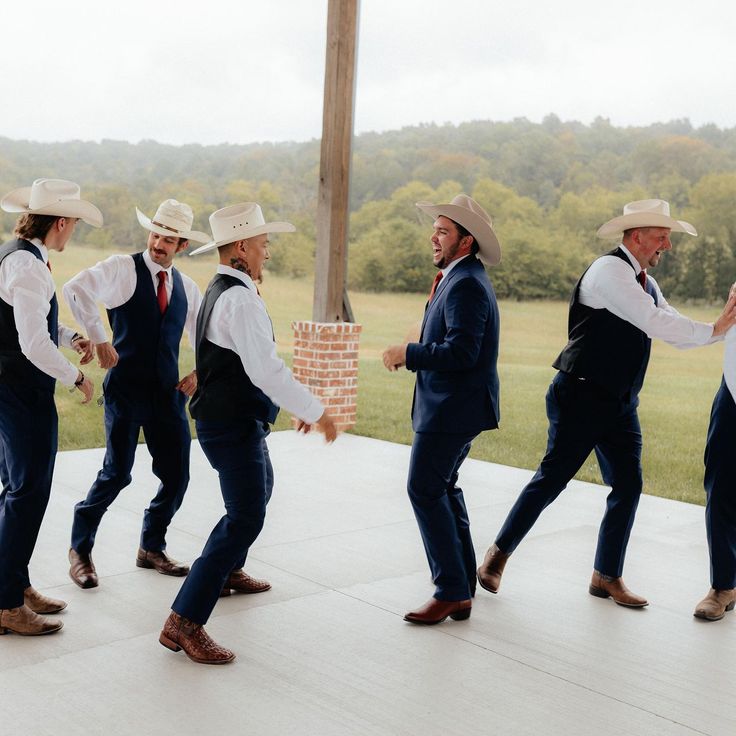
[
  {"x": 161, "y": 297},
  {"x": 436, "y": 281},
  {"x": 641, "y": 277}
]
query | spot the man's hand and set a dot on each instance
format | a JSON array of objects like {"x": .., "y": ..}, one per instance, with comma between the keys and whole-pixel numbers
[
  {"x": 728, "y": 316},
  {"x": 325, "y": 425},
  {"x": 107, "y": 356},
  {"x": 83, "y": 347},
  {"x": 302, "y": 426},
  {"x": 188, "y": 384},
  {"x": 86, "y": 387},
  {"x": 394, "y": 356}
]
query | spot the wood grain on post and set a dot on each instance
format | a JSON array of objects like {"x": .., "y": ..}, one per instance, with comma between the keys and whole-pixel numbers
[{"x": 330, "y": 296}]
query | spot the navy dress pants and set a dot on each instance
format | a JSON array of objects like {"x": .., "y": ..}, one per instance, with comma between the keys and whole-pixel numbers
[
  {"x": 720, "y": 488},
  {"x": 28, "y": 441},
  {"x": 239, "y": 454},
  {"x": 439, "y": 507},
  {"x": 583, "y": 418},
  {"x": 168, "y": 440}
]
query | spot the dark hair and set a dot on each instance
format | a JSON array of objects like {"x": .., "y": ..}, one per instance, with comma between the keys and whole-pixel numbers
[
  {"x": 31, "y": 226},
  {"x": 462, "y": 232}
]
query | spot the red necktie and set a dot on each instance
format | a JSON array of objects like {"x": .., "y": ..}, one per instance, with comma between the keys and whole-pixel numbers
[
  {"x": 436, "y": 281},
  {"x": 641, "y": 277},
  {"x": 161, "y": 298}
]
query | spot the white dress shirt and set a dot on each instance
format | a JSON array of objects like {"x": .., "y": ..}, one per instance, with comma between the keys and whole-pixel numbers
[
  {"x": 112, "y": 282},
  {"x": 26, "y": 284},
  {"x": 608, "y": 284},
  {"x": 729, "y": 361},
  {"x": 240, "y": 322}
]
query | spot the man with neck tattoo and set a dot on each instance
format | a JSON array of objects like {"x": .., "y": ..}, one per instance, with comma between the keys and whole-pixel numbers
[
  {"x": 241, "y": 385},
  {"x": 149, "y": 304}
]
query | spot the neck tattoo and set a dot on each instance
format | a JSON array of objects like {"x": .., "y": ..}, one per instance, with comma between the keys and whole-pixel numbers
[{"x": 239, "y": 265}]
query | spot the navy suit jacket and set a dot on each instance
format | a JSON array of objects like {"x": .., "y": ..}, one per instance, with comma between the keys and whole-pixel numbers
[{"x": 455, "y": 361}]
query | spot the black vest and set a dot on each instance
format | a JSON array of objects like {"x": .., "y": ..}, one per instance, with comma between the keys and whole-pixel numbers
[
  {"x": 14, "y": 366},
  {"x": 603, "y": 348},
  {"x": 224, "y": 391},
  {"x": 147, "y": 343}
]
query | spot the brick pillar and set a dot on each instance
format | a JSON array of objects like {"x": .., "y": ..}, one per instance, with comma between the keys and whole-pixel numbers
[{"x": 326, "y": 361}]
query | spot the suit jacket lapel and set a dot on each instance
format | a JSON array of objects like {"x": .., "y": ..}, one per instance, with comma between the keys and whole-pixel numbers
[{"x": 466, "y": 263}]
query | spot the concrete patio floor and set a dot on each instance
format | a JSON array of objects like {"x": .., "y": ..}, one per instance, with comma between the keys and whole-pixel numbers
[{"x": 326, "y": 651}]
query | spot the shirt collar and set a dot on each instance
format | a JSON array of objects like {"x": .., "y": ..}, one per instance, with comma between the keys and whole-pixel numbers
[
  {"x": 42, "y": 249},
  {"x": 452, "y": 265},
  {"x": 154, "y": 268},
  {"x": 230, "y": 271},
  {"x": 634, "y": 262}
]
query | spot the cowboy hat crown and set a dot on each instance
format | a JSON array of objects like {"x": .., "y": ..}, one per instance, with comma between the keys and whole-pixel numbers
[
  {"x": 644, "y": 213},
  {"x": 240, "y": 222},
  {"x": 173, "y": 218}
]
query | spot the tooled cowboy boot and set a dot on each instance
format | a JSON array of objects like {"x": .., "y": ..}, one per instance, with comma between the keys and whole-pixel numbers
[
  {"x": 181, "y": 633},
  {"x": 240, "y": 582}
]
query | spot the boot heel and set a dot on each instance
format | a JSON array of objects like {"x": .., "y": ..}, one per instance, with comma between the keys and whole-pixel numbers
[
  {"x": 730, "y": 606},
  {"x": 598, "y": 592},
  {"x": 143, "y": 563},
  {"x": 4, "y": 631},
  {"x": 163, "y": 639},
  {"x": 461, "y": 615}
]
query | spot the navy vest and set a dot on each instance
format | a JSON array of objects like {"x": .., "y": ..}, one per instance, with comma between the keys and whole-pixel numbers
[
  {"x": 224, "y": 391},
  {"x": 14, "y": 366},
  {"x": 603, "y": 348},
  {"x": 147, "y": 343}
]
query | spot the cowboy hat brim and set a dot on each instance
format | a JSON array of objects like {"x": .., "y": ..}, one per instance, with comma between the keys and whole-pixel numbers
[
  {"x": 267, "y": 227},
  {"x": 148, "y": 224},
  {"x": 17, "y": 201},
  {"x": 615, "y": 227},
  {"x": 489, "y": 248}
]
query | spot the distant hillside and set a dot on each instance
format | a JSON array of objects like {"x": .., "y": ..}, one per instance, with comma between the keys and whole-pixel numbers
[{"x": 548, "y": 186}]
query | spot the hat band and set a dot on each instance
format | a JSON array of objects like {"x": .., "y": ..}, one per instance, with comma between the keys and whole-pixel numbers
[{"x": 165, "y": 227}]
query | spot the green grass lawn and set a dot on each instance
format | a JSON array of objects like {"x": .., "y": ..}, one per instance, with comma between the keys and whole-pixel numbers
[{"x": 675, "y": 402}]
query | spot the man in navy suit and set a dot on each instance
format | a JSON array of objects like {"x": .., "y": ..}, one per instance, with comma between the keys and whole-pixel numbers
[{"x": 455, "y": 398}]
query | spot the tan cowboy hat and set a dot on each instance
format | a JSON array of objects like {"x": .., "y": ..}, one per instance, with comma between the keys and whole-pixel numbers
[
  {"x": 644, "y": 213},
  {"x": 57, "y": 197},
  {"x": 240, "y": 222},
  {"x": 468, "y": 213},
  {"x": 173, "y": 218}
]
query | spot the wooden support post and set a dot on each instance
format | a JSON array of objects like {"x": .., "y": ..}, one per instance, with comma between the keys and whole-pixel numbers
[{"x": 330, "y": 294}]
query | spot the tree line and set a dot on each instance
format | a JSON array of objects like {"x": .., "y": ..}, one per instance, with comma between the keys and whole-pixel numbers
[{"x": 548, "y": 186}]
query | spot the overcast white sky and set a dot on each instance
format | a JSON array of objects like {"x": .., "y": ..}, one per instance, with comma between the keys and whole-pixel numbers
[{"x": 252, "y": 70}]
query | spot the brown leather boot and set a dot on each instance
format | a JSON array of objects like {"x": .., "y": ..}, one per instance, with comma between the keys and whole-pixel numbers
[
  {"x": 489, "y": 573},
  {"x": 39, "y": 603},
  {"x": 714, "y": 606},
  {"x": 435, "y": 611},
  {"x": 241, "y": 582},
  {"x": 160, "y": 562},
  {"x": 82, "y": 569},
  {"x": 25, "y": 622},
  {"x": 181, "y": 633},
  {"x": 604, "y": 586}
]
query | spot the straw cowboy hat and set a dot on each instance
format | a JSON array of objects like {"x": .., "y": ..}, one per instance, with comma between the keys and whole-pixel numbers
[
  {"x": 645, "y": 213},
  {"x": 173, "y": 218},
  {"x": 468, "y": 213},
  {"x": 240, "y": 222},
  {"x": 57, "y": 197}
]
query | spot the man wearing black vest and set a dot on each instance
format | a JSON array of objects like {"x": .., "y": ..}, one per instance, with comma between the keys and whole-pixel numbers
[
  {"x": 242, "y": 384},
  {"x": 149, "y": 304},
  {"x": 30, "y": 365},
  {"x": 615, "y": 310}
]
